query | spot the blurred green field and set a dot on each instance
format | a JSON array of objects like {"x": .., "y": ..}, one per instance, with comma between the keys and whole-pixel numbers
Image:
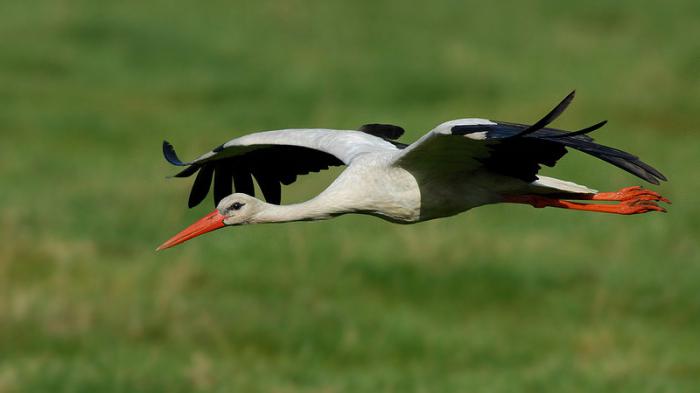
[{"x": 501, "y": 299}]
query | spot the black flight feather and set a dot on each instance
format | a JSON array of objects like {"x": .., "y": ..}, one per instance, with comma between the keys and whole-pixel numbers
[
  {"x": 582, "y": 131},
  {"x": 243, "y": 182},
  {"x": 201, "y": 186},
  {"x": 269, "y": 186},
  {"x": 549, "y": 117},
  {"x": 187, "y": 172},
  {"x": 270, "y": 165},
  {"x": 288, "y": 178},
  {"x": 170, "y": 155},
  {"x": 469, "y": 129},
  {"x": 223, "y": 182},
  {"x": 517, "y": 150}
]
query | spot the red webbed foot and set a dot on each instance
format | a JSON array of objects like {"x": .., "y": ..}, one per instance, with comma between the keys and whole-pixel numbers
[{"x": 635, "y": 193}]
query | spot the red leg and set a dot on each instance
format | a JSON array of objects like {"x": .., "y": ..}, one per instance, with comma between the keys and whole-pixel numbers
[{"x": 628, "y": 204}]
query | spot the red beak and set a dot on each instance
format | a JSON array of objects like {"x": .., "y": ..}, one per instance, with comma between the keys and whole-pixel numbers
[{"x": 208, "y": 223}]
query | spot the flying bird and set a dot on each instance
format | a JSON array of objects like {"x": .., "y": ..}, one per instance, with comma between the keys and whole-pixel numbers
[{"x": 459, "y": 165}]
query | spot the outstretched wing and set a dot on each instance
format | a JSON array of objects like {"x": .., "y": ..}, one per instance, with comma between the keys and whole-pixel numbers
[
  {"x": 272, "y": 158},
  {"x": 511, "y": 149}
]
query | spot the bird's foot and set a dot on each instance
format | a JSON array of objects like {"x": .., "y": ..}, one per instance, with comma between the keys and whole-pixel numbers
[
  {"x": 636, "y": 193},
  {"x": 637, "y": 206},
  {"x": 630, "y": 202}
]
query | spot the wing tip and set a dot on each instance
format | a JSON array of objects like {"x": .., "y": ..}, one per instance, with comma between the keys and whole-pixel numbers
[
  {"x": 582, "y": 131},
  {"x": 634, "y": 166},
  {"x": 653, "y": 172},
  {"x": 170, "y": 155},
  {"x": 549, "y": 117}
]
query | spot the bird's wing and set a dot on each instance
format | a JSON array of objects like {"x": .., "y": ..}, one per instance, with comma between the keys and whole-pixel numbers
[
  {"x": 271, "y": 157},
  {"x": 515, "y": 150}
]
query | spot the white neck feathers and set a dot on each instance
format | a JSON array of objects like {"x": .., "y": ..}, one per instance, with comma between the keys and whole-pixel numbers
[{"x": 312, "y": 210}]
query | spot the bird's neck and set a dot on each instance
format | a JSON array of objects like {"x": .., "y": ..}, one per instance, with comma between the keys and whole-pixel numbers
[{"x": 319, "y": 208}]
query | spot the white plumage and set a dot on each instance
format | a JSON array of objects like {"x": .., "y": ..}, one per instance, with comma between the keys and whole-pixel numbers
[{"x": 459, "y": 165}]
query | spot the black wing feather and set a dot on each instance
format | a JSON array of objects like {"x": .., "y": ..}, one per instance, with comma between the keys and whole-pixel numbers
[
  {"x": 243, "y": 181},
  {"x": 223, "y": 182},
  {"x": 517, "y": 150},
  {"x": 270, "y": 165},
  {"x": 170, "y": 155},
  {"x": 583, "y": 130},
  {"x": 187, "y": 172},
  {"x": 201, "y": 186},
  {"x": 388, "y": 132},
  {"x": 270, "y": 187},
  {"x": 549, "y": 117},
  {"x": 385, "y": 131}
]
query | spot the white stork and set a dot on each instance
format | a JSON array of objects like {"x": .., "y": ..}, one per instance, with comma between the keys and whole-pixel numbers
[{"x": 459, "y": 165}]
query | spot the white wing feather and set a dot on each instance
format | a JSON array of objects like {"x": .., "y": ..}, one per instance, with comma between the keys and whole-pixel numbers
[
  {"x": 344, "y": 144},
  {"x": 441, "y": 152}
]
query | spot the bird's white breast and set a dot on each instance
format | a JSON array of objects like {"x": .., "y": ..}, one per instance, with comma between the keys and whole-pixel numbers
[{"x": 370, "y": 186}]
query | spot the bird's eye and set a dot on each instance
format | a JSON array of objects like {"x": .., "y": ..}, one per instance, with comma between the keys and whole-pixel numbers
[{"x": 237, "y": 205}]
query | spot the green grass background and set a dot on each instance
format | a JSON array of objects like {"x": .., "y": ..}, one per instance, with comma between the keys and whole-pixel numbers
[{"x": 501, "y": 299}]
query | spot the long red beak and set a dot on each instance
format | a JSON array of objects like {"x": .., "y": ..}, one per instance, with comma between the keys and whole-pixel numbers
[{"x": 208, "y": 223}]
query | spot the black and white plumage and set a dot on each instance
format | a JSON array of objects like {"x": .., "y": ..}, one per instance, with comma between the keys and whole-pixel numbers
[{"x": 459, "y": 165}]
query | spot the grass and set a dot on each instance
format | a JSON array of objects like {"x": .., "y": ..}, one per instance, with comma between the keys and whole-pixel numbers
[{"x": 504, "y": 298}]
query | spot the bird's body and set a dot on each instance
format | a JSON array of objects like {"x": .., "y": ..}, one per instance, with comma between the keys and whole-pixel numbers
[{"x": 459, "y": 165}]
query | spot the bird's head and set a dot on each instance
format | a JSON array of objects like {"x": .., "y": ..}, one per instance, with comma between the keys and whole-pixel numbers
[
  {"x": 238, "y": 209},
  {"x": 235, "y": 209}
]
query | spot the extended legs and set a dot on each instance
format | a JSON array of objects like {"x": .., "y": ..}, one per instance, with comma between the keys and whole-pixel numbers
[{"x": 631, "y": 200}]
